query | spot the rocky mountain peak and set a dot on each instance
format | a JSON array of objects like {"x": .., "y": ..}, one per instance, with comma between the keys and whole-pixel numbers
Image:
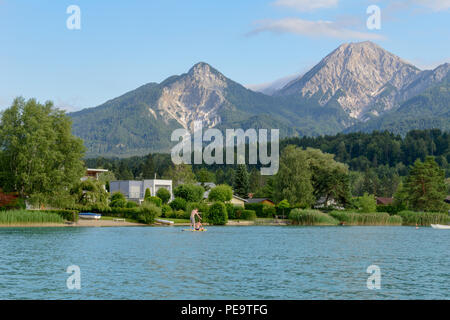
[
  {"x": 196, "y": 95},
  {"x": 354, "y": 74}
]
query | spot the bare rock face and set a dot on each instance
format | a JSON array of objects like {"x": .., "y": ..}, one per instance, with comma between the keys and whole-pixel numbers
[
  {"x": 423, "y": 81},
  {"x": 196, "y": 95},
  {"x": 358, "y": 76}
]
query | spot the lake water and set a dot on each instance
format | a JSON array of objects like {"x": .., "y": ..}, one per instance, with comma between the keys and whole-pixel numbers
[{"x": 225, "y": 263}]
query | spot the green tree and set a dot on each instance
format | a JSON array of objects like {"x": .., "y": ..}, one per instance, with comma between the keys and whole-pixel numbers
[
  {"x": 178, "y": 204},
  {"x": 425, "y": 186},
  {"x": 241, "y": 181},
  {"x": 148, "y": 167},
  {"x": 147, "y": 194},
  {"x": 221, "y": 193},
  {"x": 163, "y": 194},
  {"x": 329, "y": 178},
  {"x": 217, "y": 214},
  {"x": 155, "y": 200},
  {"x": 189, "y": 192},
  {"x": 118, "y": 200},
  {"x": 105, "y": 178},
  {"x": 256, "y": 180},
  {"x": 367, "y": 203},
  {"x": 90, "y": 192},
  {"x": 39, "y": 156},
  {"x": 204, "y": 176},
  {"x": 284, "y": 205},
  {"x": 293, "y": 180},
  {"x": 180, "y": 174},
  {"x": 123, "y": 172}
]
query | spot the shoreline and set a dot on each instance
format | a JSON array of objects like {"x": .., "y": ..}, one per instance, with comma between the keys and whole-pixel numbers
[{"x": 112, "y": 224}]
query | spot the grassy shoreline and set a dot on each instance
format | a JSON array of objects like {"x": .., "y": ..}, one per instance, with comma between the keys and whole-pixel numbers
[{"x": 298, "y": 217}]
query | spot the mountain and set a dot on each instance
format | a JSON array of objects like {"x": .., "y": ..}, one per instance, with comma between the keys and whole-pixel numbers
[
  {"x": 358, "y": 86},
  {"x": 362, "y": 78},
  {"x": 142, "y": 120},
  {"x": 429, "y": 109}
]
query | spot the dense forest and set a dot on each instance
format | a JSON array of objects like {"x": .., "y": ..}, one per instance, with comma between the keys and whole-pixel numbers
[{"x": 378, "y": 161}]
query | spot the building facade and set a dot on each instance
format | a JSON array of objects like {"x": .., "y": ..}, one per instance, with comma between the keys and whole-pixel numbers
[{"x": 134, "y": 190}]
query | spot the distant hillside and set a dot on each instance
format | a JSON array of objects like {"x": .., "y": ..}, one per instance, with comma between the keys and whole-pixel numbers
[
  {"x": 142, "y": 120},
  {"x": 358, "y": 86},
  {"x": 430, "y": 109}
]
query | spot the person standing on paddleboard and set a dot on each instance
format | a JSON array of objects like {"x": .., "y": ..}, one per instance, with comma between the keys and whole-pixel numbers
[{"x": 193, "y": 214}]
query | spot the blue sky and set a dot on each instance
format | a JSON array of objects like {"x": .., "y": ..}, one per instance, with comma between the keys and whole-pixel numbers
[{"x": 124, "y": 44}]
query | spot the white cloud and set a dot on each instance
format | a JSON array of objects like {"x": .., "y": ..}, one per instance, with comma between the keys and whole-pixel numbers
[
  {"x": 306, "y": 5},
  {"x": 435, "y": 5},
  {"x": 313, "y": 29}
]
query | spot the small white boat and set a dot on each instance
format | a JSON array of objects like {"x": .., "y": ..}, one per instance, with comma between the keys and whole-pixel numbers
[
  {"x": 440, "y": 226},
  {"x": 89, "y": 215},
  {"x": 164, "y": 221}
]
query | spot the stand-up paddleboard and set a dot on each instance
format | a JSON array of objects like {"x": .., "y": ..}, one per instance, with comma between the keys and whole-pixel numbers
[{"x": 194, "y": 230}]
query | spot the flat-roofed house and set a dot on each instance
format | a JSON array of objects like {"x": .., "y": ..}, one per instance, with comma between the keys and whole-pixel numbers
[
  {"x": 134, "y": 190},
  {"x": 93, "y": 173}
]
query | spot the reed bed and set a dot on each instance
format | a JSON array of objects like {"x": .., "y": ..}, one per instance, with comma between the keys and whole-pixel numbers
[
  {"x": 20, "y": 217},
  {"x": 424, "y": 218},
  {"x": 311, "y": 217},
  {"x": 366, "y": 219}
]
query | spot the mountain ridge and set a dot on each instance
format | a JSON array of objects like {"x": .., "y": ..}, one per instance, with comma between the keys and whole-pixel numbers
[{"x": 141, "y": 120}]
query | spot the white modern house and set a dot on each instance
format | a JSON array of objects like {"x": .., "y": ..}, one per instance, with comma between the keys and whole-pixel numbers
[{"x": 134, "y": 190}]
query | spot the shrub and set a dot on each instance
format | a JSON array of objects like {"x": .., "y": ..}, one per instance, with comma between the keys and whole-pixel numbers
[
  {"x": 148, "y": 212},
  {"x": 89, "y": 192},
  {"x": 269, "y": 211},
  {"x": 221, "y": 193},
  {"x": 118, "y": 200},
  {"x": 367, "y": 219},
  {"x": 424, "y": 218},
  {"x": 69, "y": 215},
  {"x": 166, "y": 210},
  {"x": 155, "y": 200},
  {"x": 189, "y": 192},
  {"x": 283, "y": 208},
  {"x": 367, "y": 203},
  {"x": 164, "y": 195},
  {"x": 248, "y": 215},
  {"x": 311, "y": 217},
  {"x": 232, "y": 209},
  {"x": 178, "y": 204},
  {"x": 237, "y": 212},
  {"x": 181, "y": 214},
  {"x": 217, "y": 214},
  {"x": 12, "y": 202},
  {"x": 257, "y": 207},
  {"x": 147, "y": 194},
  {"x": 131, "y": 204},
  {"x": 171, "y": 214}
]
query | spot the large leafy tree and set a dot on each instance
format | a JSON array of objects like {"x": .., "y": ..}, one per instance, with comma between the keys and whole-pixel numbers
[
  {"x": 293, "y": 180},
  {"x": 425, "y": 189},
  {"x": 39, "y": 156},
  {"x": 329, "y": 178}
]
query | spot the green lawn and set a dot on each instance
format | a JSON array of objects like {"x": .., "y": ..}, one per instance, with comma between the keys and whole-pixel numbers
[
  {"x": 176, "y": 220},
  {"x": 112, "y": 218}
]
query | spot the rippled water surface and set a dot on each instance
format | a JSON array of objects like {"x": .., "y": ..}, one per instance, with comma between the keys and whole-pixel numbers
[{"x": 225, "y": 263}]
